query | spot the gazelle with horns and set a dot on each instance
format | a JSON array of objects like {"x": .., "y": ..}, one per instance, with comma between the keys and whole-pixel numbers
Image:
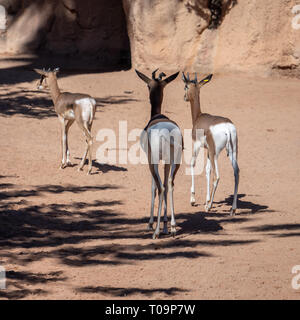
[
  {"x": 70, "y": 107},
  {"x": 219, "y": 133},
  {"x": 161, "y": 140}
]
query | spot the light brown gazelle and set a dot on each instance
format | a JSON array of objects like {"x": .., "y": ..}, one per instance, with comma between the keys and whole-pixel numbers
[
  {"x": 218, "y": 132},
  {"x": 70, "y": 107},
  {"x": 161, "y": 140}
]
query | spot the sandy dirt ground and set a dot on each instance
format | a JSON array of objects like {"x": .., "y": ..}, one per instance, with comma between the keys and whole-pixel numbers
[{"x": 66, "y": 235}]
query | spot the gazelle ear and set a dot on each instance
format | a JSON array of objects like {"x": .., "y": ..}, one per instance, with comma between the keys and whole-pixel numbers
[
  {"x": 142, "y": 76},
  {"x": 172, "y": 77},
  {"x": 40, "y": 71},
  {"x": 205, "y": 80}
]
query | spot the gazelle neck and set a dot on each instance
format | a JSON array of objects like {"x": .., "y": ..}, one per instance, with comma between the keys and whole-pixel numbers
[
  {"x": 155, "y": 110},
  {"x": 195, "y": 106},
  {"x": 156, "y": 98},
  {"x": 54, "y": 90}
]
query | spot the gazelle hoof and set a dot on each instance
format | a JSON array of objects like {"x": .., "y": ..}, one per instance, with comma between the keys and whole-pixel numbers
[
  {"x": 62, "y": 166},
  {"x": 232, "y": 212},
  {"x": 79, "y": 169},
  {"x": 193, "y": 201},
  {"x": 207, "y": 207},
  {"x": 155, "y": 236},
  {"x": 150, "y": 227},
  {"x": 165, "y": 231},
  {"x": 173, "y": 232}
]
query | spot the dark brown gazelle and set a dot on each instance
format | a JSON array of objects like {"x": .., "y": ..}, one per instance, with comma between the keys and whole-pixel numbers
[
  {"x": 161, "y": 140},
  {"x": 219, "y": 133},
  {"x": 70, "y": 107}
]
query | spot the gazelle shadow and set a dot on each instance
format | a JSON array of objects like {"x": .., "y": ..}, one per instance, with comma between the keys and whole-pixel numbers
[
  {"x": 107, "y": 167},
  {"x": 71, "y": 165},
  {"x": 196, "y": 222},
  {"x": 251, "y": 207},
  {"x": 103, "y": 167}
]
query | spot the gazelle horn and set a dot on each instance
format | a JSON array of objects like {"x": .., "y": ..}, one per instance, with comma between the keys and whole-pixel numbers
[
  {"x": 153, "y": 74},
  {"x": 195, "y": 77}
]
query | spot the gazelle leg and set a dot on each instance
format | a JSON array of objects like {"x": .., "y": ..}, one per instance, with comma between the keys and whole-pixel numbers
[
  {"x": 90, "y": 143},
  {"x": 157, "y": 230},
  {"x": 88, "y": 137},
  {"x": 174, "y": 170},
  {"x": 193, "y": 162},
  {"x": 153, "y": 194},
  {"x": 69, "y": 163},
  {"x": 236, "y": 184},
  {"x": 69, "y": 123},
  {"x": 208, "y": 171},
  {"x": 214, "y": 164},
  {"x": 63, "y": 142},
  {"x": 83, "y": 158},
  {"x": 160, "y": 188},
  {"x": 166, "y": 181}
]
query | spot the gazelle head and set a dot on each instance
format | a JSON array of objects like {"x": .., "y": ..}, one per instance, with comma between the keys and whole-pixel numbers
[
  {"x": 46, "y": 74},
  {"x": 192, "y": 87},
  {"x": 156, "y": 86}
]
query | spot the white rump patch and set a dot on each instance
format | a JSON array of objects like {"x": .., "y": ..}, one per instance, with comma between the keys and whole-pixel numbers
[
  {"x": 86, "y": 105},
  {"x": 221, "y": 134},
  {"x": 166, "y": 142},
  {"x": 93, "y": 101}
]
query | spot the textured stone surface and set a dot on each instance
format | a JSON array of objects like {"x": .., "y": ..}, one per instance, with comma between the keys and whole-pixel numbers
[
  {"x": 89, "y": 29},
  {"x": 257, "y": 36},
  {"x": 197, "y": 35},
  {"x": 214, "y": 36},
  {"x": 165, "y": 33}
]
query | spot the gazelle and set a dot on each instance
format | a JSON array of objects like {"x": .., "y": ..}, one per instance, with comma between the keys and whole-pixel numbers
[
  {"x": 218, "y": 132},
  {"x": 70, "y": 107},
  {"x": 161, "y": 140}
]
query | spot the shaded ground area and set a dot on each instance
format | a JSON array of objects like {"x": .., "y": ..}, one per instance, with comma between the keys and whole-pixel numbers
[
  {"x": 66, "y": 235},
  {"x": 19, "y": 99}
]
